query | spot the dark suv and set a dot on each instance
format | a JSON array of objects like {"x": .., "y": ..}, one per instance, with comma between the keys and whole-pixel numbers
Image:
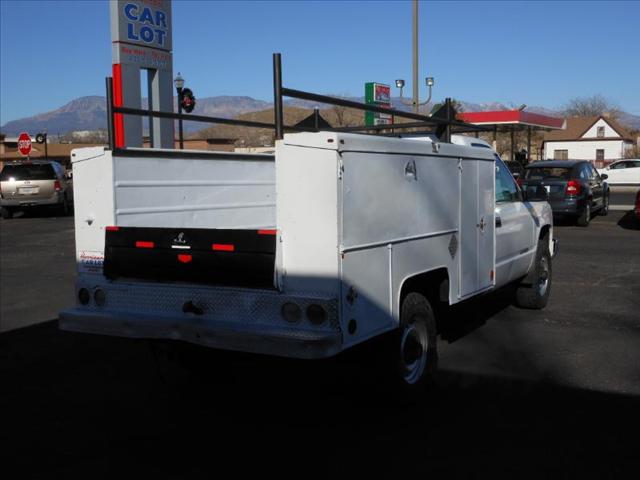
[
  {"x": 32, "y": 184},
  {"x": 575, "y": 187}
]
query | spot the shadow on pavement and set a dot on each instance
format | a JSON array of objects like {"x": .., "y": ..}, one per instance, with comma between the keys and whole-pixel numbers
[
  {"x": 97, "y": 407},
  {"x": 629, "y": 221}
]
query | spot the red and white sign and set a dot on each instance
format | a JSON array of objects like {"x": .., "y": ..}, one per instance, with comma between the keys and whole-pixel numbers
[{"x": 24, "y": 144}]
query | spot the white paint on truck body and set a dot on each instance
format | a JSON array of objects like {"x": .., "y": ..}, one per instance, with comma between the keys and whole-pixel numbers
[{"x": 357, "y": 217}]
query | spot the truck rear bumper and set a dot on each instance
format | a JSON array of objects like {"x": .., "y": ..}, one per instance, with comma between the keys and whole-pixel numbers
[
  {"x": 263, "y": 339},
  {"x": 247, "y": 321}
]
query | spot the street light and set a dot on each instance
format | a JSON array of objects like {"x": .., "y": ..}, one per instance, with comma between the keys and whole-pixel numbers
[
  {"x": 429, "y": 82},
  {"x": 179, "y": 83}
]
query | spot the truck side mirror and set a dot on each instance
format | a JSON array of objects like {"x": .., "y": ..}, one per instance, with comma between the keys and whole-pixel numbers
[{"x": 536, "y": 193}]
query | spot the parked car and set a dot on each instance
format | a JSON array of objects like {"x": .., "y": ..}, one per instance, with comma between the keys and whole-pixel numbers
[
  {"x": 515, "y": 168},
  {"x": 636, "y": 210},
  {"x": 623, "y": 172},
  {"x": 575, "y": 188},
  {"x": 32, "y": 184}
]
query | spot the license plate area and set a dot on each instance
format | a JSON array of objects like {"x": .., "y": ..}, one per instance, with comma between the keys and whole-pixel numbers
[{"x": 28, "y": 190}]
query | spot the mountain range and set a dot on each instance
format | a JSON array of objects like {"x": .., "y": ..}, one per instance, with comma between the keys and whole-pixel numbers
[{"x": 89, "y": 113}]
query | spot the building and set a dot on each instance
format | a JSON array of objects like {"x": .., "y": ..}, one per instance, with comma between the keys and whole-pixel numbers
[
  {"x": 598, "y": 139},
  {"x": 210, "y": 144},
  {"x": 61, "y": 152}
]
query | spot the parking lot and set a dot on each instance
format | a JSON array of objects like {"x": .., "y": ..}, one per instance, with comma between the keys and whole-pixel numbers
[{"x": 521, "y": 393}]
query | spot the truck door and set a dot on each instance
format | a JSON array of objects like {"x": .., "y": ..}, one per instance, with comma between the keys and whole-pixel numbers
[
  {"x": 515, "y": 221},
  {"x": 477, "y": 226}
]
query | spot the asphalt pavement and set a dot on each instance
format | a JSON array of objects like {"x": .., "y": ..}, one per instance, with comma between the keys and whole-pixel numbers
[
  {"x": 37, "y": 265},
  {"x": 521, "y": 394}
]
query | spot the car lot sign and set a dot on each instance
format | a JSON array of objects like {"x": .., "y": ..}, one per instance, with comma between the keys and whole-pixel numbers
[
  {"x": 141, "y": 40},
  {"x": 146, "y": 23},
  {"x": 24, "y": 144},
  {"x": 141, "y": 33}
]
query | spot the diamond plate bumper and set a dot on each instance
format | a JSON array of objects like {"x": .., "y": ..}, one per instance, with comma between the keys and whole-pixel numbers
[{"x": 231, "y": 319}]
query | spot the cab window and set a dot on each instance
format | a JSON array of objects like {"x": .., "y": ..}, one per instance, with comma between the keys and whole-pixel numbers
[{"x": 506, "y": 188}]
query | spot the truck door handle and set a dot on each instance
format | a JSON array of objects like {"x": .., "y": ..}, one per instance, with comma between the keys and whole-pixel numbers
[{"x": 498, "y": 222}]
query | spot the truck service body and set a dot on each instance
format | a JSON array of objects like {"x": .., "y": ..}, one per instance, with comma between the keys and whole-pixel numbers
[{"x": 303, "y": 253}]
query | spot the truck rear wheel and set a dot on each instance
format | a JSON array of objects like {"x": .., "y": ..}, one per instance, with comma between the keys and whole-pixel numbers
[
  {"x": 416, "y": 351},
  {"x": 533, "y": 291}
]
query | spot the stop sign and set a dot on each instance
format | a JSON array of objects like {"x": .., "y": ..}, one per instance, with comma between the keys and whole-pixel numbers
[{"x": 24, "y": 143}]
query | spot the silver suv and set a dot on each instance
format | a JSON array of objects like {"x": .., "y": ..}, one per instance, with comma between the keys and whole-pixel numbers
[{"x": 25, "y": 185}]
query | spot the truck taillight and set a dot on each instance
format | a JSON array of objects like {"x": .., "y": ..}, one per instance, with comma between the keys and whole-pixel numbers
[
  {"x": 573, "y": 188},
  {"x": 56, "y": 186}
]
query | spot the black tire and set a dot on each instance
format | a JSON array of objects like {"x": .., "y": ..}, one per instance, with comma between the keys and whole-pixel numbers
[
  {"x": 7, "y": 213},
  {"x": 605, "y": 206},
  {"x": 584, "y": 219},
  {"x": 534, "y": 289},
  {"x": 63, "y": 208},
  {"x": 414, "y": 356}
]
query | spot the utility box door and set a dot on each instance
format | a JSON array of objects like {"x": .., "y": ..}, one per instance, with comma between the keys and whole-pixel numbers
[{"x": 477, "y": 226}]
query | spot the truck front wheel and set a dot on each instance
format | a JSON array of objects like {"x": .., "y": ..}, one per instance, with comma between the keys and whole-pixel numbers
[
  {"x": 533, "y": 291},
  {"x": 417, "y": 356}
]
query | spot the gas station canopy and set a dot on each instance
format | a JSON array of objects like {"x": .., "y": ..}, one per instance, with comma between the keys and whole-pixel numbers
[
  {"x": 512, "y": 121},
  {"x": 514, "y": 118}
]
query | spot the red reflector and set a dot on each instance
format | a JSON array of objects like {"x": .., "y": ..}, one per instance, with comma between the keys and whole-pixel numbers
[
  {"x": 223, "y": 247},
  {"x": 112, "y": 229},
  {"x": 145, "y": 244},
  {"x": 267, "y": 232},
  {"x": 182, "y": 258}
]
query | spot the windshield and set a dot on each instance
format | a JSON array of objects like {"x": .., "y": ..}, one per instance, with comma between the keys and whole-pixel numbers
[
  {"x": 27, "y": 172},
  {"x": 548, "y": 172}
]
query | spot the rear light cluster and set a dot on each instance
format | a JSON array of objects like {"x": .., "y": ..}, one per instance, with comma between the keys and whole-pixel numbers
[
  {"x": 573, "y": 188},
  {"x": 292, "y": 313},
  {"x": 56, "y": 186},
  {"x": 99, "y": 297}
]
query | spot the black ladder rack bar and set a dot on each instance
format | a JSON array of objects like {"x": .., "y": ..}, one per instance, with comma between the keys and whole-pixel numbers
[{"x": 195, "y": 118}]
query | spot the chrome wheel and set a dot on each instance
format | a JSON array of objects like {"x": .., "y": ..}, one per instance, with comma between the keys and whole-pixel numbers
[
  {"x": 414, "y": 345},
  {"x": 543, "y": 276}
]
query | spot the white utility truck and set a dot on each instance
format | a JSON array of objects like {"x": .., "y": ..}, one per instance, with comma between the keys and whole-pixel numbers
[{"x": 334, "y": 240}]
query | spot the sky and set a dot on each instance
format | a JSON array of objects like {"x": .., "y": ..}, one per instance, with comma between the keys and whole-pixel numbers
[{"x": 537, "y": 53}]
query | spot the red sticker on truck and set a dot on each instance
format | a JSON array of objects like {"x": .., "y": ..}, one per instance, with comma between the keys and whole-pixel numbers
[{"x": 90, "y": 262}]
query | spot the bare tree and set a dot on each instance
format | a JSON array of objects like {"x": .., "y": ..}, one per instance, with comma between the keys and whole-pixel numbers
[
  {"x": 342, "y": 117},
  {"x": 339, "y": 112},
  {"x": 633, "y": 152},
  {"x": 591, "y": 106}
]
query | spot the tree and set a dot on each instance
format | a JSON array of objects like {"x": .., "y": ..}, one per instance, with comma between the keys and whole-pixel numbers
[
  {"x": 456, "y": 104},
  {"x": 595, "y": 105},
  {"x": 633, "y": 152}
]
